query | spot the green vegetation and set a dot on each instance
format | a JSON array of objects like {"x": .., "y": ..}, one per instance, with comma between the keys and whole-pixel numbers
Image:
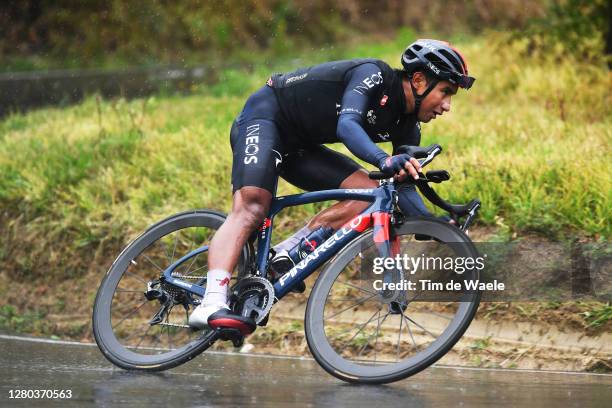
[
  {"x": 598, "y": 315},
  {"x": 530, "y": 139},
  {"x": 28, "y": 322},
  {"x": 37, "y": 34},
  {"x": 481, "y": 344}
]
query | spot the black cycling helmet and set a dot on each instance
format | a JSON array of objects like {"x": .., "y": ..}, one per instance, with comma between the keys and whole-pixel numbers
[{"x": 440, "y": 60}]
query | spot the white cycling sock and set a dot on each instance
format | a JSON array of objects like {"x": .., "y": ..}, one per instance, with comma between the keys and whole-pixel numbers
[
  {"x": 217, "y": 284},
  {"x": 293, "y": 240}
]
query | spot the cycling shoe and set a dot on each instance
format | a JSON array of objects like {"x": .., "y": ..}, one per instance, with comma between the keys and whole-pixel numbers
[
  {"x": 226, "y": 319},
  {"x": 199, "y": 317}
]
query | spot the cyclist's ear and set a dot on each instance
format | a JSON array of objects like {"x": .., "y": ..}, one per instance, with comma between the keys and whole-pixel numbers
[{"x": 419, "y": 80}]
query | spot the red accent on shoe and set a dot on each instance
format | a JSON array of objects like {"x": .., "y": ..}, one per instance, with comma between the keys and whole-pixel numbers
[{"x": 244, "y": 328}]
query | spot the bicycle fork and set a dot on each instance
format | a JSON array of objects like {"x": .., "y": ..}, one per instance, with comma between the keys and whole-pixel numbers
[{"x": 388, "y": 246}]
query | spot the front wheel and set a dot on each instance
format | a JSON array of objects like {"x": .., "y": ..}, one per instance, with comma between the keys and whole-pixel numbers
[
  {"x": 359, "y": 333},
  {"x": 140, "y": 323}
]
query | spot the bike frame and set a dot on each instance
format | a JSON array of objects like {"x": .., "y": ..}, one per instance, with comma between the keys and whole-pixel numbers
[{"x": 377, "y": 215}]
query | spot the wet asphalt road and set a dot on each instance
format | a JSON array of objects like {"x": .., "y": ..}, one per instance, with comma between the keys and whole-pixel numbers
[{"x": 237, "y": 380}]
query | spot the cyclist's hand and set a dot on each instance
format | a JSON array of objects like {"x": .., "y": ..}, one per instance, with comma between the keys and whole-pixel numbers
[{"x": 400, "y": 165}]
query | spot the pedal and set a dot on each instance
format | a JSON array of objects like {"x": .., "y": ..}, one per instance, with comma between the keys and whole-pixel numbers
[{"x": 232, "y": 335}]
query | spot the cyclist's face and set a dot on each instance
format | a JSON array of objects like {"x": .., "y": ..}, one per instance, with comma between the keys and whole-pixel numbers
[{"x": 437, "y": 101}]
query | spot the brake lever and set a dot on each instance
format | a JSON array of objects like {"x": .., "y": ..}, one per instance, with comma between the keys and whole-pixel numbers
[
  {"x": 430, "y": 156},
  {"x": 470, "y": 217}
]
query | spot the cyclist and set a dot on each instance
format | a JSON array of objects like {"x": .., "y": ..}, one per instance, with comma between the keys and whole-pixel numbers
[{"x": 282, "y": 130}]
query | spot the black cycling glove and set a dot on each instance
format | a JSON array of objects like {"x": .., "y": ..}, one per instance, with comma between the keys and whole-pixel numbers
[{"x": 394, "y": 164}]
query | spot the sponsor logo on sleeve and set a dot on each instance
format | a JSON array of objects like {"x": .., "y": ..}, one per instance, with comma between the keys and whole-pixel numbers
[
  {"x": 369, "y": 82},
  {"x": 350, "y": 110},
  {"x": 252, "y": 144},
  {"x": 296, "y": 78}
]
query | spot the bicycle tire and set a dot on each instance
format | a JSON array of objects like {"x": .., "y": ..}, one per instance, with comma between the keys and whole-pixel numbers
[
  {"x": 333, "y": 361},
  {"x": 104, "y": 334}
]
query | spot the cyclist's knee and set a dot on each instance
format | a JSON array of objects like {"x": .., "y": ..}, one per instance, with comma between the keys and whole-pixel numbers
[{"x": 251, "y": 206}]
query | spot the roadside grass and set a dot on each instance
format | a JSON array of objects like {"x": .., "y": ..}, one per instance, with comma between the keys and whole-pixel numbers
[
  {"x": 530, "y": 140},
  {"x": 599, "y": 315}
]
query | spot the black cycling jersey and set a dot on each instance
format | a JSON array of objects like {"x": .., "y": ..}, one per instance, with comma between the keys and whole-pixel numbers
[
  {"x": 358, "y": 102},
  {"x": 283, "y": 125}
]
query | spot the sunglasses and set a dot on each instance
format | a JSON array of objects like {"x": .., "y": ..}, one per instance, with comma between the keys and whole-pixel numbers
[{"x": 463, "y": 81}]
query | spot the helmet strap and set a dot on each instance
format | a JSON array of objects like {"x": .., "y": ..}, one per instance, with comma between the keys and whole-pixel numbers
[{"x": 419, "y": 98}]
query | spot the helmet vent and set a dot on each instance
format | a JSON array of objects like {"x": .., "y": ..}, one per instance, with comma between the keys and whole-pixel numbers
[{"x": 457, "y": 63}]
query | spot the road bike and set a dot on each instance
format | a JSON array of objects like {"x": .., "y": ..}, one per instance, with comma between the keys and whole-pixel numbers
[{"x": 358, "y": 327}]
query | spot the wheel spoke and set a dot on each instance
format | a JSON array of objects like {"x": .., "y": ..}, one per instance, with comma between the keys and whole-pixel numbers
[
  {"x": 174, "y": 248},
  {"x": 411, "y": 335},
  {"x": 127, "y": 291},
  {"x": 376, "y": 340},
  {"x": 154, "y": 264},
  {"x": 421, "y": 327},
  {"x": 195, "y": 270},
  {"x": 143, "y": 337},
  {"x": 357, "y": 287},
  {"x": 362, "y": 300},
  {"x": 194, "y": 258},
  {"x": 360, "y": 329},
  {"x": 137, "y": 277},
  {"x": 130, "y": 314},
  {"x": 399, "y": 336},
  {"x": 124, "y": 308},
  {"x": 368, "y": 339},
  {"x": 169, "y": 339}
]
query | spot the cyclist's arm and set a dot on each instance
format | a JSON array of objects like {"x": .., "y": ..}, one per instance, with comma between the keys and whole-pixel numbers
[{"x": 360, "y": 89}]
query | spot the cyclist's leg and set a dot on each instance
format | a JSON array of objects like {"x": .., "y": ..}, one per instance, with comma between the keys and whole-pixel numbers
[
  {"x": 321, "y": 168},
  {"x": 256, "y": 147}
]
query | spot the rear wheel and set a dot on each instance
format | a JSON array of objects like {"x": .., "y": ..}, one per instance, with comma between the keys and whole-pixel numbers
[
  {"x": 360, "y": 334},
  {"x": 140, "y": 323}
]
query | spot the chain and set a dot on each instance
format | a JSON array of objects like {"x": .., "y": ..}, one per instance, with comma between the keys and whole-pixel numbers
[
  {"x": 183, "y": 326},
  {"x": 178, "y": 275}
]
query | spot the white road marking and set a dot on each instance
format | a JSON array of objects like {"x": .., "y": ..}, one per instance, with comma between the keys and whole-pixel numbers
[{"x": 272, "y": 356}]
